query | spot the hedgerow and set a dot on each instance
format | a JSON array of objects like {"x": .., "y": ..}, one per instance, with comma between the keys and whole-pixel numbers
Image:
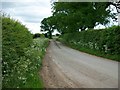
[
  {"x": 21, "y": 56},
  {"x": 106, "y": 41}
]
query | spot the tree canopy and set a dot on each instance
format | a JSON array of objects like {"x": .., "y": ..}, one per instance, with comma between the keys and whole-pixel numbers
[
  {"x": 47, "y": 24},
  {"x": 77, "y": 16}
]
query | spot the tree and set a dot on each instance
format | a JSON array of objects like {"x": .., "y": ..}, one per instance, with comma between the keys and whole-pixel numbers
[
  {"x": 36, "y": 35},
  {"x": 116, "y": 4},
  {"x": 72, "y": 17},
  {"x": 48, "y": 25}
]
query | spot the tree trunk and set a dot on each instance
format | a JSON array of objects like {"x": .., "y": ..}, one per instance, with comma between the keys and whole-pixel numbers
[{"x": 50, "y": 34}]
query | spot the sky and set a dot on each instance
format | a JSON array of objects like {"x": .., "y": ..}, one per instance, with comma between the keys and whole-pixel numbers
[
  {"x": 29, "y": 12},
  {"x": 32, "y": 12}
]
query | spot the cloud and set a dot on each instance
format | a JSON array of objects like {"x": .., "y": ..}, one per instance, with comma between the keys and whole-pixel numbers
[
  {"x": 30, "y": 13},
  {"x": 27, "y": 0},
  {"x": 33, "y": 27},
  {"x": 6, "y": 5}
]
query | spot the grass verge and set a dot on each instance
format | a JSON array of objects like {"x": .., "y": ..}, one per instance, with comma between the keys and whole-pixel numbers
[
  {"x": 25, "y": 72},
  {"x": 36, "y": 53},
  {"x": 90, "y": 51}
]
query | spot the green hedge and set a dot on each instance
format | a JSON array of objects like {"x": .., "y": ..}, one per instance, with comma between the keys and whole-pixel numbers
[
  {"x": 22, "y": 56},
  {"x": 15, "y": 38},
  {"x": 106, "y": 41}
]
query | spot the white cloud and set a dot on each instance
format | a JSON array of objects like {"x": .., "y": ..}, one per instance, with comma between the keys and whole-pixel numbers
[
  {"x": 29, "y": 12},
  {"x": 33, "y": 27},
  {"x": 24, "y": 0}
]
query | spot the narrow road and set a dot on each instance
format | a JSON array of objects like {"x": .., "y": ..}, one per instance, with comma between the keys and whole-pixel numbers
[{"x": 64, "y": 67}]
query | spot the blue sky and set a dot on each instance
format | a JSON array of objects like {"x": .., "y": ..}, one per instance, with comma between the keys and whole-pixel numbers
[{"x": 31, "y": 12}]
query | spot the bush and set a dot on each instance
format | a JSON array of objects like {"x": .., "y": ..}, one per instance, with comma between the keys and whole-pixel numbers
[
  {"x": 15, "y": 38},
  {"x": 36, "y": 35},
  {"x": 31, "y": 63},
  {"x": 105, "y": 40},
  {"x": 22, "y": 56}
]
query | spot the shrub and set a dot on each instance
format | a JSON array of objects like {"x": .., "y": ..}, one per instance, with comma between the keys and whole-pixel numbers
[
  {"x": 105, "y": 40},
  {"x": 15, "y": 38},
  {"x": 22, "y": 56},
  {"x": 36, "y": 35}
]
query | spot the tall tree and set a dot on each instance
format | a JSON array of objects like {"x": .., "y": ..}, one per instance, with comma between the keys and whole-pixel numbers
[
  {"x": 72, "y": 17},
  {"x": 47, "y": 24}
]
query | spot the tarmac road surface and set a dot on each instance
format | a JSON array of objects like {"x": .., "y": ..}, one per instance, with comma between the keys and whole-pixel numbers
[{"x": 64, "y": 67}]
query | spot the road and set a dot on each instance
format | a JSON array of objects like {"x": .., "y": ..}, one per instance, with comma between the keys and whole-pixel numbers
[{"x": 64, "y": 67}]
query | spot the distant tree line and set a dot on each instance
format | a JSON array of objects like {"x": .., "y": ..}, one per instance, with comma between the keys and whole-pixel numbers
[{"x": 38, "y": 35}]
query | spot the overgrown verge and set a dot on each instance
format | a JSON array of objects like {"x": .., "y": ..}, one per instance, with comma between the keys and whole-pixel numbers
[
  {"x": 22, "y": 56},
  {"x": 104, "y": 43}
]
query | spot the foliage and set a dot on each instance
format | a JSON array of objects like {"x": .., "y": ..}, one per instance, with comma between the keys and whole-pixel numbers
[
  {"x": 36, "y": 35},
  {"x": 105, "y": 41},
  {"x": 15, "y": 36},
  {"x": 21, "y": 55},
  {"x": 77, "y": 16},
  {"x": 72, "y": 17},
  {"x": 47, "y": 25}
]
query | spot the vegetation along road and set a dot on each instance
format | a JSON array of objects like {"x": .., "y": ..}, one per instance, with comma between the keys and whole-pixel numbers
[{"x": 64, "y": 67}]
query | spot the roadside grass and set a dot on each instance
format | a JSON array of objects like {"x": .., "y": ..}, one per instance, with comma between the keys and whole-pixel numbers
[
  {"x": 25, "y": 73},
  {"x": 36, "y": 54},
  {"x": 34, "y": 81},
  {"x": 90, "y": 51}
]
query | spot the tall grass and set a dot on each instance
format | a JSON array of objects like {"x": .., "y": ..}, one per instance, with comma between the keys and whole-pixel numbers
[{"x": 25, "y": 73}]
